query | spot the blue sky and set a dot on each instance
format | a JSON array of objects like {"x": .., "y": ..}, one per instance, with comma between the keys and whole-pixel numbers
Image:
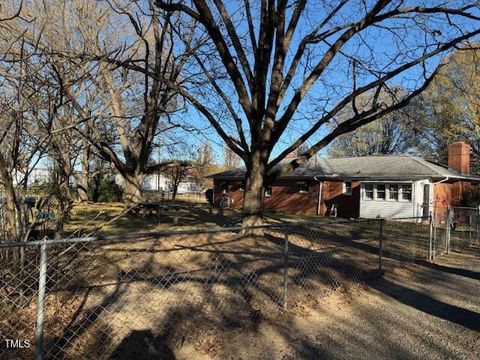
[
  {"x": 376, "y": 47},
  {"x": 382, "y": 45}
]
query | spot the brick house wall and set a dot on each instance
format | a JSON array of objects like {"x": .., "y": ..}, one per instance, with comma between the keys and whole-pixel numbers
[
  {"x": 449, "y": 194},
  {"x": 347, "y": 205},
  {"x": 287, "y": 197}
]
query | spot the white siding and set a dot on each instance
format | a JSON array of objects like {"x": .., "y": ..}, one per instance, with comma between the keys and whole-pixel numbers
[{"x": 392, "y": 208}]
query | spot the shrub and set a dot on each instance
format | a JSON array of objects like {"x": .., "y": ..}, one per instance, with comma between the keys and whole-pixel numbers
[{"x": 104, "y": 190}]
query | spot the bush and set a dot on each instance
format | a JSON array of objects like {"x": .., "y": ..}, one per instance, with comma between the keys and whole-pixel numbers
[{"x": 104, "y": 190}]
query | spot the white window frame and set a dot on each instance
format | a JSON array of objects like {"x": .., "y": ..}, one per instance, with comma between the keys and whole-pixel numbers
[
  {"x": 364, "y": 192},
  {"x": 400, "y": 193},
  {"x": 399, "y": 184},
  {"x": 375, "y": 192},
  {"x": 344, "y": 190},
  {"x": 388, "y": 192}
]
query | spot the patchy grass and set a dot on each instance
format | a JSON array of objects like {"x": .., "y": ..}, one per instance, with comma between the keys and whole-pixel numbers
[{"x": 108, "y": 218}]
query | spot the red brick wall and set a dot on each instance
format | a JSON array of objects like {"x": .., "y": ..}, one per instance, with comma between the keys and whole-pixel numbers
[
  {"x": 347, "y": 205},
  {"x": 449, "y": 194},
  {"x": 286, "y": 197},
  {"x": 459, "y": 157}
]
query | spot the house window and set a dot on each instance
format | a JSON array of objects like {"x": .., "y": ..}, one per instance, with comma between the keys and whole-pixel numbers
[
  {"x": 407, "y": 192},
  {"x": 302, "y": 187},
  {"x": 240, "y": 185},
  {"x": 224, "y": 188},
  {"x": 347, "y": 188},
  {"x": 393, "y": 192},
  {"x": 381, "y": 191},
  {"x": 268, "y": 191},
  {"x": 368, "y": 192}
]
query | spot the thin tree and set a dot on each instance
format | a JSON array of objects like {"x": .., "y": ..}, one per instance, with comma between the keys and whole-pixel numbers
[
  {"x": 177, "y": 172},
  {"x": 394, "y": 133}
]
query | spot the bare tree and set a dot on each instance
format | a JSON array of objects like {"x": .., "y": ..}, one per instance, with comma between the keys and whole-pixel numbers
[
  {"x": 177, "y": 172},
  {"x": 121, "y": 112},
  {"x": 277, "y": 66},
  {"x": 394, "y": 133},
  {"x": 230, "y": 159}
]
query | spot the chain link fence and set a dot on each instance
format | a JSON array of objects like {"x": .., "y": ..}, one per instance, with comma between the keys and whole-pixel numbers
[
  {"x": 101, "y": 297},
  {"x": 464, "y": 229},
  {"x": 98, "y": 297}
]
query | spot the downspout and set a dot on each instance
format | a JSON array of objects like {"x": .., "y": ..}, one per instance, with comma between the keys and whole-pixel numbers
[
  {"x": 320, "y": 185},
  {"x": 441, "y": 181}
]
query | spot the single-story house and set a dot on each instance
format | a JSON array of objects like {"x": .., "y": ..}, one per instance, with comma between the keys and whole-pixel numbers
[
  {"x": 366, "y": 186},
  {"x": 159, "y": 182}
]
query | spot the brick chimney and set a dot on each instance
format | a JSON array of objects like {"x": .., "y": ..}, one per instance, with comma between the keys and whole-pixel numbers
[{"x": 459, "y": 157}]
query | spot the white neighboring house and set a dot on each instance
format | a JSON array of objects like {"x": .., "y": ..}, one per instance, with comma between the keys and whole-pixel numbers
[
  {"x": 159, "y": 182},
  {"x": 37, "y": 176},
  {"x": 188, "y": 186}
]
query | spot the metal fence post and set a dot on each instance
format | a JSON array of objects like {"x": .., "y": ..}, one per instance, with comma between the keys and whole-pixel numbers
[
  {"x": 430, "y": 237},
  {"x": 477, "y": 227},
  {"x": 42, "y": 280},
  {"x": 380, "y": 247},
  {"x": 434, "y": 241},
  {"x": 285, "y": 269},
  {"x": 447, "y": 230}
]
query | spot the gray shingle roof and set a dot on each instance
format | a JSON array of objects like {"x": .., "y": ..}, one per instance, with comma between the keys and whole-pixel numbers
[{"x": 375, "y": 167}]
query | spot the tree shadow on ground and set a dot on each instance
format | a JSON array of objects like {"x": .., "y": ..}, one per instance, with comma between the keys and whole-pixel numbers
[
  {"x": 249, "y": 269},
  {"x": 143, "y": 344},
  {"x": 427, "y": 304}
]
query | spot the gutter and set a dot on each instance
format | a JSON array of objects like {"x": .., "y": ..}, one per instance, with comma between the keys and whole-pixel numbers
[
  {"x": 441, "y": 181},
  {"x": 320, "y": 186}
]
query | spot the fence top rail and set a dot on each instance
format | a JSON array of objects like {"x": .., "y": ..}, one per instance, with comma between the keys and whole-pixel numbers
[
  {"x": 426, "y": 218},
  {"x": 465, "y": 208},
  {"x": 136, "y": 236},
  {"x": 324, "y": 221}
]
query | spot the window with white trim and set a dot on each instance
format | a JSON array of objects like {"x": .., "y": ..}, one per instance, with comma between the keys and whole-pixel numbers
[
  {"x": 368, "y": 192},
  {"x": 388, "y": 192},
  {"x": 380, "y": 192},
  {"x": 393, "y": 192},
  {"x": 407, "y": 192}
]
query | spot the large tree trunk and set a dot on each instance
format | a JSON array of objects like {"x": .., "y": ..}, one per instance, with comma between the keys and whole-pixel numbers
[
  {"x": 133, "y": 188},
  {"x": 254, "y": 193}
]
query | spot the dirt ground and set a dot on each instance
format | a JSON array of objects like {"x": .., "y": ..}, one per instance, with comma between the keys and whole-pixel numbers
[
  {"x": 220, "y": 296},
  {"x": 412, "y": 313}
]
